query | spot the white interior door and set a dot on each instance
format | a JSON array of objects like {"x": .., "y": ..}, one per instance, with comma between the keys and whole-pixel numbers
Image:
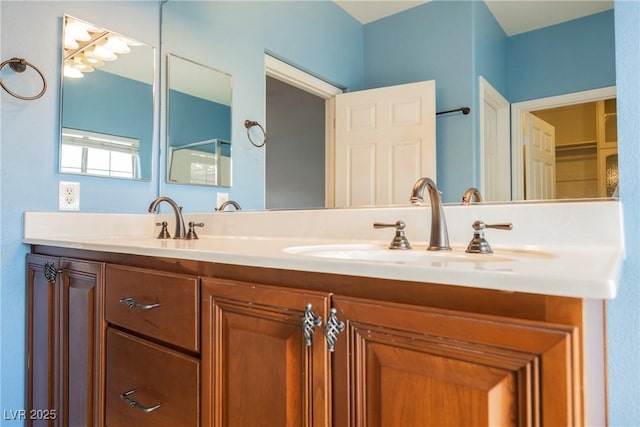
[
  {"x": 385, "y": 141},
  {"x": 540, "y": 158},
  {"x": 495, "y": 146}
]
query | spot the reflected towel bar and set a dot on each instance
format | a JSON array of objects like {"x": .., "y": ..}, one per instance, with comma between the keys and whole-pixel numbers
[{"x": 464, "y": 110}]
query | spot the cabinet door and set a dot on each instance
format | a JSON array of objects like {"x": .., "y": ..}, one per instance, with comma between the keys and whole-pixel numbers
[
  {"x": 41, "y": 344},
  {"x": 81, "y": 342},
  {"x": 65, "y": 342},
  {"x": 407, "y": 366},
  {"x": 257, "y": 367}
]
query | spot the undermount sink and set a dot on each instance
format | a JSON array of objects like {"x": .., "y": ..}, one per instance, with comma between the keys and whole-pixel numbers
[{"x": 373, "y": 252}]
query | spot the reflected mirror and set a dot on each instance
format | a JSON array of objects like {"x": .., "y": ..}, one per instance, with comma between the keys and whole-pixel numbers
[
  {"x": 107, "y": 117},
  {"x": 198, "y": 124}
]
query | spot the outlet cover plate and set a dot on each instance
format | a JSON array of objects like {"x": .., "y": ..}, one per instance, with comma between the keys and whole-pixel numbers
[{"x": 68, "y": 196}]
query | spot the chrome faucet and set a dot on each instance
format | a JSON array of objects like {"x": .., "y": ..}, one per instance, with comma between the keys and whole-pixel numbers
[
  {"x": 439, "y": 239},
  {"x": 229, "y": 203},
  {"x": 471, "y": 193},
  {"x": 177, "y": 210}
]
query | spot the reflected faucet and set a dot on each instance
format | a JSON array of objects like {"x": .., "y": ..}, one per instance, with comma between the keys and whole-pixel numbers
[
  {"x": 177, "y": 210},
  {"x": 439, "y": 239},
  {"x": 224, "y": 205},
  {"x": 471, "y": 193}
]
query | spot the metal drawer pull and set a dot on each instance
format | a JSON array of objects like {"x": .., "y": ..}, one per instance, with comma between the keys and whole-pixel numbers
[
  {"x": 131, "y": 303},
  {"x": 134, "y": 403},
  {"x": 309, "y": 322},
  {"x": 332, "y": 329}
]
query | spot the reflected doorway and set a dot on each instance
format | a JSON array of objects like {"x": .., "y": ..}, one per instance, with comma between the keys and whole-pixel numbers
[
  {"x": 606, "y": 158},
  {"x": 586, "y": 150},
  {"x": 295, "y": 151},
  {"x": 287, "y": 178}
]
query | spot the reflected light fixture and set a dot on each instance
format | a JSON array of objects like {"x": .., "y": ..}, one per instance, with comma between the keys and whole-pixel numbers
[{"x": 87, "y": 47}]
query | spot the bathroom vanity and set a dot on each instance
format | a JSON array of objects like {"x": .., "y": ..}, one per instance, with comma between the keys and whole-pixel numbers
[{"x": 307, "y": 323}]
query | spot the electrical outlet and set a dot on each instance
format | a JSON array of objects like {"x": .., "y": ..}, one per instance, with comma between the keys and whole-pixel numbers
[
  {"x": 68, "y": 196},
  {"x": 221, "y": 198}
]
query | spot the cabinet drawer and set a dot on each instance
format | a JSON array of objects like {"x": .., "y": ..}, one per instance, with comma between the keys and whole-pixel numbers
[
  {"x": 160, "y": 305},
  {"x": 141, "y": 375}
]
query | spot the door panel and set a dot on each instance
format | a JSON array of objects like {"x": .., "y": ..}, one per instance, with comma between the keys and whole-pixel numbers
[
  {"x": 540, "y": 157},
  {"x": 41, "y": 340},
  {"x": 82, "y": 342},
  {"x": 253, "y": 340},
  {"x": 385, "y": 141},
  {"x": 406, "y": 366}
]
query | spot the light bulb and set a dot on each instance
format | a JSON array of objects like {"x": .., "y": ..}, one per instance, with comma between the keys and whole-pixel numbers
[
  {"x": 94, "y": 62},
  {"x": 102, "y": 53},
  {"x": 77, "y": 31},
  {"x": 117, "y": 45},
  {"x": 71, "y": 72},
  {"x": 81, "y": 66},
  {"x": 70, "y": 42}
]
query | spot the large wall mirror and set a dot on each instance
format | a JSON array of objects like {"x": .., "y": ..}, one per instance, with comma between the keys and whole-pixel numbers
[
  {"x": 107, "y": 105},
  {"x": 571, "y": 56},
  {"x": 198, "y": 124}
]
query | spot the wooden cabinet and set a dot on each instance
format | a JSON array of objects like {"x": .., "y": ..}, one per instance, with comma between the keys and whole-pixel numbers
[
  {"x": 159, "y": 305},
  {"x": 65, "y": 342},
  {"x": 153, "y": 339},
  {"x": 258, "y": 369},
  {"x": 401, "y": 365},
  {"x": 233, "y": 346},
  {"x": 148, "y": 384},
  {"x": 394, "y": 364}
]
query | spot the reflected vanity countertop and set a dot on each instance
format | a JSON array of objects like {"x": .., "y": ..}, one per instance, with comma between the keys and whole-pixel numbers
[{"x": 548, "y": 252}]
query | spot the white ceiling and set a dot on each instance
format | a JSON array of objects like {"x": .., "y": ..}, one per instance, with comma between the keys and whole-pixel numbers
[{"x": 514, "y": 16}]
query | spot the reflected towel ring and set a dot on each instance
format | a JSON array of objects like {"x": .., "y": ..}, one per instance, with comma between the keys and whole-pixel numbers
[
  {"x": 19, "y": 65},
  {"x": 249, "y": 124}
]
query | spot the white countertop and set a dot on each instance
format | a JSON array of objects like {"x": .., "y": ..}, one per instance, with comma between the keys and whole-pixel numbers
[{"x": 549, "y": 251}]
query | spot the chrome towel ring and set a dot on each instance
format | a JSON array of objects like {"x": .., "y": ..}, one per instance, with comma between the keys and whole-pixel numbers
[
  {"x": 19, "y": 65},
  {"x": 249, "y": 124}
]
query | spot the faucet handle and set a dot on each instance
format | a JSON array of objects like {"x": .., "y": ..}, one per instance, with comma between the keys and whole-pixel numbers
[
  {"x": 164, "y": 233},
  {"x": 400, "y": 240},
  {"x": 480, "y": 225},
  {"x": 191, "y": 234},
  {"x": 479, "y": 244}
]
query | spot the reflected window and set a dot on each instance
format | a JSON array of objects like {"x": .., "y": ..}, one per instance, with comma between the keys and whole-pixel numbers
[{"x": 99, "y": 154}]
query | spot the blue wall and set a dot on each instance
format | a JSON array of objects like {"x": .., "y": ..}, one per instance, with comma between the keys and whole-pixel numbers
[
  {"x": 195, "y": 119},
  {"x": 29, "y": 136},
  {"x": 89, "y": 104},
  {"x": 623, "y": 313},
  {"x": 581, "y": 52}
]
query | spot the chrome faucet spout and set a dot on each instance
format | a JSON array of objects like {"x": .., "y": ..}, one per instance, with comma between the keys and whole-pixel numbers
[
  {"x": 224, "y": 205},
  {"x": 472, "y": 194},
  {"x": 439, "y": 239},
  {"x": 177, "y": 210}
]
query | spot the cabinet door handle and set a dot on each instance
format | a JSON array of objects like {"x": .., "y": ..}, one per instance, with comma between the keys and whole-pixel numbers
[
  {"x": 332, "y": 329},
  {"x": 131, "y": 303},
  {"x": 134, "y": 403},
  {"x": 50, "y": 271},
  {"x": 309, "y": 322}
]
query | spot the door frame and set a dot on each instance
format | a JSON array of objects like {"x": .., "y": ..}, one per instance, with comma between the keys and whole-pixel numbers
[
  {"x": 517, "y": 140},
  {"x": 293, "y": 76},
  {"x": 489, "y": 95}
]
